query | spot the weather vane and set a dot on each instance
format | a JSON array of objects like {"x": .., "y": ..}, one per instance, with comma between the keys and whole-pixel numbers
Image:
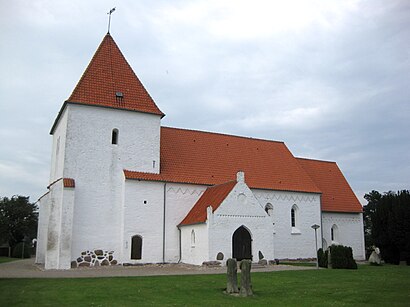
[{"x": 109, "y": 18}]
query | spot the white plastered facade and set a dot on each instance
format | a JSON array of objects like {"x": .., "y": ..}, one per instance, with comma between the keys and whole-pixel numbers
[
  {"x": 347, "y": 230},
  {"x": 105, "y": 211}
]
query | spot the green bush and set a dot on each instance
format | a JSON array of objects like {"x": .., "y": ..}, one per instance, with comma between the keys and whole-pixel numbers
[
  {"x": 322, "y": 258},
  {"x": 18, "y": 250},
  {"x": 342, "y": 257}
]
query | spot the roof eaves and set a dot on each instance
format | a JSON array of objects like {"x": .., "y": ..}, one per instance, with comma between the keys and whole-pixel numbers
[
  {"x": 42, "y": 196},
  {"x": 342, "y": 211},
  {"x": 60, "y": 113},
  {"x": 316, "y": 160},
  {"x": 286, "y": 190},
  {"x": 115, "y": 108},
  {"x": 190, "y": 224},
  {"x": 209, "y": 183}
]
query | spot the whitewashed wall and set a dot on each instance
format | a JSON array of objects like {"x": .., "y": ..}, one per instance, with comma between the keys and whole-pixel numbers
[
  {"x": 180, "y": 198},
  {"x": 349, "y": 231},
  {"x": 58, "y": 148},
  {"x": 42, "y": 229},
  {"x": 143, "y": 215},
  {"x": 195, "y": 250},
  {"x": 97, "y": 167},
  {"x": 240, "y": 208},
  {"x": 274, "y": 241},
  {"x": 109, "y": 210},
  {"x": 290, "y": 244},
  {"x": 147, "y": 219},
  {"x": 59, "y": 232}
]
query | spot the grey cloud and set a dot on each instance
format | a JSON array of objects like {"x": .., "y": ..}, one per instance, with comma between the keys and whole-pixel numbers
[{"x": 336, "y": 89}]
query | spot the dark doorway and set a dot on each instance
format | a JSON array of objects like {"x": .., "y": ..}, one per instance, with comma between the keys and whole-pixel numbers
[
  {"x": 241, "y": 244},
  {"x": 136, "y": 247}
]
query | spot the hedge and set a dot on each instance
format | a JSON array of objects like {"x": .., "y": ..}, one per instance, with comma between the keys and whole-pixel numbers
[{"x": 341, "y": 257}]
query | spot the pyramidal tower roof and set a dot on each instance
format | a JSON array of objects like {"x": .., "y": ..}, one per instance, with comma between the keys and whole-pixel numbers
[{"x": 109, "y": 81}]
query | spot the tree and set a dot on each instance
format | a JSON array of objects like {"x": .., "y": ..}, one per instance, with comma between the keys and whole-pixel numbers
[
  {"x": 389, "y": 217},
  {"x": 18, "y": 220},
  {"x": 368, "y": 215}
]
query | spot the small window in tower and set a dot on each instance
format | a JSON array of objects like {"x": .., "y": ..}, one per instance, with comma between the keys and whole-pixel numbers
[
  {"x": 114, "y": 137},
  {"x": 119, "y": 96},
  {"x": 193, "y": 238}
]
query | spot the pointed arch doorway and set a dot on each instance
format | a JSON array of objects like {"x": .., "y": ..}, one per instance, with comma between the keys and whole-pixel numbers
[{"x": 241, "y": 244}]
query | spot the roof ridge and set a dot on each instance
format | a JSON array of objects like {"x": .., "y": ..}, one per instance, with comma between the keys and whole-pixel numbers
[
  {"x": 212, "y": 197},
  {"x": 224, "y": 134},
  {"x": 221, "y": 184},
  {"x": 87, "y": 68},
  {"x": 109, "y": 80},
  {"x": 316, "y": 160}
]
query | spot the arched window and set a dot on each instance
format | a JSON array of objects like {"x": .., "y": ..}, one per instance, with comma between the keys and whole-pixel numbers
[
  {"x": 193, "y": 238},
  {"x": 269, "y": 209},
  {"x": 136, "y": 247},
  {"x": 294, "y": 219},
  {"x": 334, "y": 233},
  {"x": 293, "y": 216},
  {"x": 114, "y": 136}
]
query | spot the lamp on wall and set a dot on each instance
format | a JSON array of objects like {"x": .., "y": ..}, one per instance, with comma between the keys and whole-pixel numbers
[{"x": 316, "y": 227}]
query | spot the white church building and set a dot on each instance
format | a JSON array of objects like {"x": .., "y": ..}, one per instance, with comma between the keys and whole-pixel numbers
[{"x": 125, "y": 190}]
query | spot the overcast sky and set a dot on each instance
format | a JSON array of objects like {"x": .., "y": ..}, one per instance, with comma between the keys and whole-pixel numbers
[{"x": 329, "y": 78}]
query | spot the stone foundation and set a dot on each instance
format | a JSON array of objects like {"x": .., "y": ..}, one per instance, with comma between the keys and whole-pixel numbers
[{"x": 94, "y": 258}]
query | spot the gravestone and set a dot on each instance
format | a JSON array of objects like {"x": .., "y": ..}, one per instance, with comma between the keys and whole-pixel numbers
[
  {"x": 232, "y": 279},
  {"x": 375, "y": 258},
  {"x": 260, "y": 255},
  {"x": 220, "y": 256},
  {"x": 246, "y": 285},
  {"x": 329, "y": 259}
]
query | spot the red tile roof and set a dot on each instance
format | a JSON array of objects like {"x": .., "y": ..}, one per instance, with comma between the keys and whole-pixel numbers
[
  {"x": 107, "y": 74},
  {"x": 69, "y": 183},
  {"x": 337, "y": 195},
  {"x": 198, "y": 157},
  {"x": 213, "y": 197}
]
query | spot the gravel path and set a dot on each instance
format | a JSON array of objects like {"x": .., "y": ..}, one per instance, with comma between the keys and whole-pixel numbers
[{"x": 28, "y": 269}]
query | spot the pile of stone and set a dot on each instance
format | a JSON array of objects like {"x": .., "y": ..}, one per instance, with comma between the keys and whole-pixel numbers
[{"x": 94, "y": 258}]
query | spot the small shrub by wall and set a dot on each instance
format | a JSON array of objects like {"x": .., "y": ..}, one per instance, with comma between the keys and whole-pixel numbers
[
  {"x": 322, "y": 258},
  {"x": 342, "y": 257}
]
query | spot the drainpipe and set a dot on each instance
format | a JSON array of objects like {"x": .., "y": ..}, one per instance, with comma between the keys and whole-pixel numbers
[
  {"x": 163, "y": 224},
  {"x": 321, "y": 223},
  {"x": 180, "y": 247}
]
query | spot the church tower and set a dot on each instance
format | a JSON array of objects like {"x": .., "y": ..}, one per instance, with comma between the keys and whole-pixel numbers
[{"x": 109, "y": 123}]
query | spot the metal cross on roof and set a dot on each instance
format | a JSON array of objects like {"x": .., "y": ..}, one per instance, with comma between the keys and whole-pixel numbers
[{"x": 109, "y": 18}]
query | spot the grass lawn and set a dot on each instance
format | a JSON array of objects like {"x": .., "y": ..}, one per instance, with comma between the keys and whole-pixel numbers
[
  {"x": 7, "y": 259},
  {"x": 296, "y": 263},
  {"x": 371, "y": 286}
]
